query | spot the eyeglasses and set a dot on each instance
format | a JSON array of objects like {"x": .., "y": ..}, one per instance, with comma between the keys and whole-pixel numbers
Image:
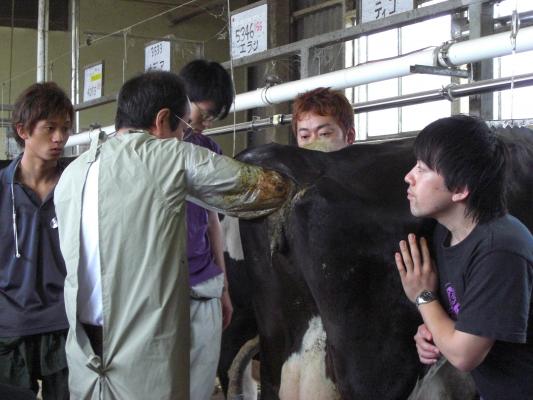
[
  {"x": 189, "y": 127},
  {"x": 207, "y": 116}
]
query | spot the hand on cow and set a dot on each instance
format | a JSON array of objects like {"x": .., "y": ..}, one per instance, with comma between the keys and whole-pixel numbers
[
  {"x": 415, "y": 267},
  {"x": 428, "y": 353},
  {"x": 227, "y": 308}
]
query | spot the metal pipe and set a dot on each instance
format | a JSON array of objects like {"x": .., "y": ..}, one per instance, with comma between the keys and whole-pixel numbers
[
  {"x": 450, "y": 92},
  {"x": 447, "y": 55},
  {"x": 337, "y": 80},
  {"x": 42, "y": 40},
  {"x": 487, "y": 47},
  {"x": 75, "y": 59}
]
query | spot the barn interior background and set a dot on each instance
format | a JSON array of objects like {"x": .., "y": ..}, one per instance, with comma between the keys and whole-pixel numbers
[{"x": 402, "y": 63}]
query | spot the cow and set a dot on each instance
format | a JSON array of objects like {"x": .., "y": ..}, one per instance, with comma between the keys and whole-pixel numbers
[{"x": 330, "y": 310}]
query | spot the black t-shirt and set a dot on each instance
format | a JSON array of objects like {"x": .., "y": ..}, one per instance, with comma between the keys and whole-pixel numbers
[{"x": 486, "y": 287}]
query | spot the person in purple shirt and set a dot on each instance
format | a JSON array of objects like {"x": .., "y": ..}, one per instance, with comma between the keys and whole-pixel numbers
[{"x": 210, "y": 90}]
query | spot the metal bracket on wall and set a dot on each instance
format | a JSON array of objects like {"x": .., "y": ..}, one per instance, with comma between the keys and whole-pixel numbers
[{"x": 428, "y": 69}]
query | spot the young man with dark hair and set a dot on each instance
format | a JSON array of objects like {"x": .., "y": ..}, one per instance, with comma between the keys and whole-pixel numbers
[
  {"x": 33, "y": 324},
  {"x": 476, "y": 302},
  {"x": 210, "y": 90},
  {"x": 323, "y": 119},
  {"x": 121, "y": 214}
]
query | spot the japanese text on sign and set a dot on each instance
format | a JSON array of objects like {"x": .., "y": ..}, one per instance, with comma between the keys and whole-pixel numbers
[
  {"x": 92, "y": 82},
  {"x": 249, "y": 31},
  {"x": 157, "y": 56},
  {"x": 378, "y": 9}
]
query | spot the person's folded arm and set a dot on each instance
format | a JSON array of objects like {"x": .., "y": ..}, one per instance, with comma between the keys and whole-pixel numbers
[{"x": 463, "y": 350}]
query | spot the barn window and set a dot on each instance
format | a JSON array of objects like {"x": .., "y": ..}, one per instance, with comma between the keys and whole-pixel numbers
[{"x": 401, "y": 41}]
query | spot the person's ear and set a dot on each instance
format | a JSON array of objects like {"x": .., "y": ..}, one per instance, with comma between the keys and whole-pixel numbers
[
  {"x": 460, "y": 194},
  {"x": 161, "y": 123},
  {"x": 350, "y": 136},
  {"x": 22, "y": 132}
]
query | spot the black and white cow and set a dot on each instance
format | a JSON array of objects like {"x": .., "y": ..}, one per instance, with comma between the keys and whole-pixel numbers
[{"x": 330, "y": 310}]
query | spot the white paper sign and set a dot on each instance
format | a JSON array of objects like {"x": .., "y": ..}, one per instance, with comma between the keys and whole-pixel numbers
[
  {"x": 157, "y": 56},
  {"x": 373, "y": 10},
  {"x": 249, "y": 32},
  {"x": 92, "y": 82}
]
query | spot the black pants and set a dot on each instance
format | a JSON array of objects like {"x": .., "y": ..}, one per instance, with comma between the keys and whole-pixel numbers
[
  {"x": 94, "y": 333},
  {"x": 26, "y": 359}
]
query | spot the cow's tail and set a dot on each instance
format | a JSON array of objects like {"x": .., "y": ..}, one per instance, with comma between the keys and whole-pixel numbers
[{"x": 236, "y": 373}]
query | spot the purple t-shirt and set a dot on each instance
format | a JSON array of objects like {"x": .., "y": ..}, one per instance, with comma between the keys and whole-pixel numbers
[{"x": 201, "y": 263}]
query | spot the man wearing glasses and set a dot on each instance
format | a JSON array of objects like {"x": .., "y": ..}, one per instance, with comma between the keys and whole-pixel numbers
[{"x": 210, "y": 90}]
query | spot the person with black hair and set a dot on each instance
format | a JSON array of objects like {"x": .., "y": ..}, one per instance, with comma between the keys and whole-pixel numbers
[
  {"x": 476, "y": 301},
  {"x": 121, "y": 215},
  {"x": 33, "y": 324},
  {"x": 210, "y": 90}
]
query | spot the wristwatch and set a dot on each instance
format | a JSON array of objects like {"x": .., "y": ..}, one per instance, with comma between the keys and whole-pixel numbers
[{"x": 426, "y": 296}]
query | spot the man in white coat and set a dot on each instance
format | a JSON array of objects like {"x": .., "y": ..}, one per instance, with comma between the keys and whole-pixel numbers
[{"x": 121, "y": 215}]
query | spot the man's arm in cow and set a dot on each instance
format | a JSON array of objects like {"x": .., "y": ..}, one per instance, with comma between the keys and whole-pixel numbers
[
  {"x": 216, "y": 240},
  {"x": 417, "y": 272}
]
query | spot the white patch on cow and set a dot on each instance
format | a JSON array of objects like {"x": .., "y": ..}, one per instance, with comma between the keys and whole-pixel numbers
[
  {"x": 232, "y": 238},
  {"x": 303, "y": 375},
  {"x": 249, "y": 384}
]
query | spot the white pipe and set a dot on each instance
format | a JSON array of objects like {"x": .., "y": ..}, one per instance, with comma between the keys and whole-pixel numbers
[
  {"x": 85, "y": 137},
  {"x": 42, "y": 40},
  {"x": 457, "y": 54},
  {"x": 337, "y": 80},
  {"x": 489, "y": 47}
]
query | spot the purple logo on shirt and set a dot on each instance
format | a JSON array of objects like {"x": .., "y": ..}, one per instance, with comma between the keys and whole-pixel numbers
[{"x": 452, "y": 299}]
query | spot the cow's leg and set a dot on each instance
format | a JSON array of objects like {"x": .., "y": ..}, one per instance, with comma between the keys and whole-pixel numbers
[
  {"x": 303, "y": 376},
  {"x": 243, "y": 326}
]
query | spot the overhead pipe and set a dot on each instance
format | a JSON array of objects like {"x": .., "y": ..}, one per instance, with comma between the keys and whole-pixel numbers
[
  {"x": 449, "y": 92},
  {"x": 447, "y": 55}
]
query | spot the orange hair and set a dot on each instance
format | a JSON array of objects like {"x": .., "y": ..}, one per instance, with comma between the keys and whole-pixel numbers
[{"x": 324, "y": 102}]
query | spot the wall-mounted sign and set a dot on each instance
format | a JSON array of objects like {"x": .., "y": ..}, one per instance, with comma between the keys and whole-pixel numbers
[
  {"x": 93, "y": 78},
  {"x": 157, "y": 56},
  {"x": 372, "y": 10},
  {"x": 249, "y": 30}
]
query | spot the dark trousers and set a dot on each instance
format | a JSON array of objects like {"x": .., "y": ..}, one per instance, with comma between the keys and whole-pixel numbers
[
  {"x": 26, "y": 359},
  {"x": 94, "y": 333}
]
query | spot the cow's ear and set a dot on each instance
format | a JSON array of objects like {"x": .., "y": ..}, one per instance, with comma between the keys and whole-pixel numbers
[{"x": 460, "y": 194}]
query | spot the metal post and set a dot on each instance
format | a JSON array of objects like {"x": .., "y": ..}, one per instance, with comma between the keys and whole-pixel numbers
[
  {"x": 481, "y": 23},
  {"x": 42, "y": 40},
  {"x": 75, "y": 59}
]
